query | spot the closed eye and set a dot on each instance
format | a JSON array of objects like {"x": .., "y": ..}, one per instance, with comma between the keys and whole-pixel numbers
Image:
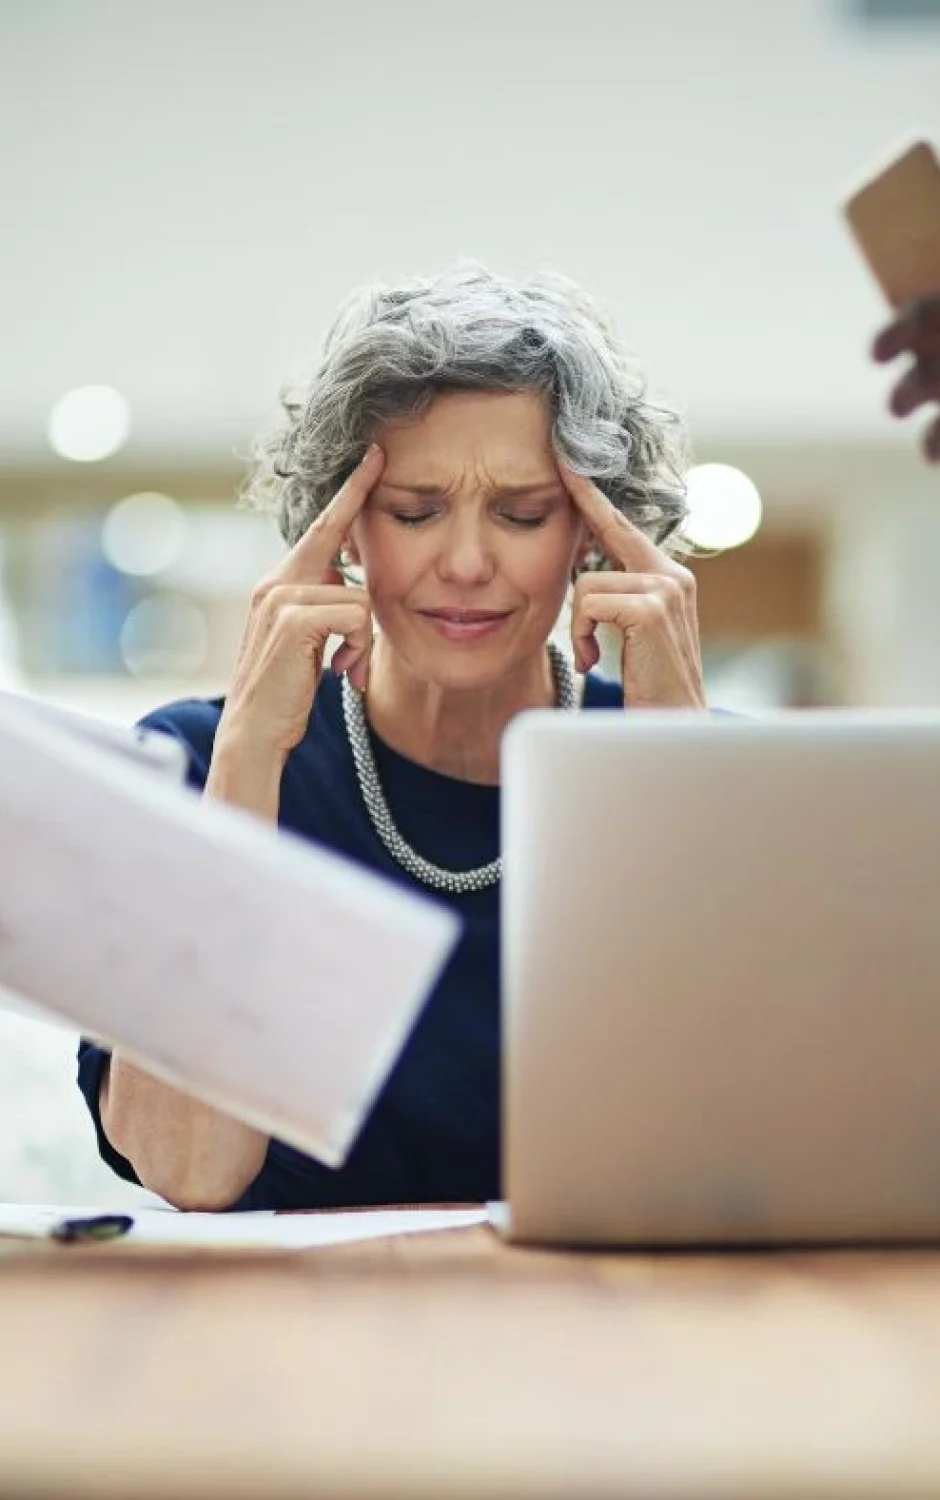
[
  {"x": 418, "y": 517},
  {"x": 412, "y": 518},
  {"x": 528, "y": 521}
]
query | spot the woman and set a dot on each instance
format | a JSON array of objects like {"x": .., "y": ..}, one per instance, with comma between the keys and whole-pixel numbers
[{"x": 483, "y": 407}]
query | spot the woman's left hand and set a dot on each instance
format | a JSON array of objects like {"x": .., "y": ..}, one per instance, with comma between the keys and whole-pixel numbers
[{"x": 650, "y": 601}]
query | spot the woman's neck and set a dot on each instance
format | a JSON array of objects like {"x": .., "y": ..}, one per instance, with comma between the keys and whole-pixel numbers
[{"x": 455, "y": 732}]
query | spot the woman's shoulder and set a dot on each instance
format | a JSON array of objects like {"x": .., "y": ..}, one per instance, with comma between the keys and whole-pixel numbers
[
  {"x": 601, "y": 692},
  {"x": 195, "y": 721},
  {"x": 192, "y": 721},
  {"x": 198, "y": 717}
]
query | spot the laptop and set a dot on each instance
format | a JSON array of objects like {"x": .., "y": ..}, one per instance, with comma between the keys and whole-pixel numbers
[{"x": 721, "y": 978}]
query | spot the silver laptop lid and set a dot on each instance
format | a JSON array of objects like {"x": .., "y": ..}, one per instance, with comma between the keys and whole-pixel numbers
[{"x": 722, "y": 977}]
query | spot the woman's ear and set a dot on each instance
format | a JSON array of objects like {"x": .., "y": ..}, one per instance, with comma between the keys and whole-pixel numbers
[
  {"x": 580, "y": 558},
  {"x": 585, "y": 549}
]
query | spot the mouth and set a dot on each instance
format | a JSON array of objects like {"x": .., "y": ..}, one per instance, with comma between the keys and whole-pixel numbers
[{"x": 465, "y": 624}]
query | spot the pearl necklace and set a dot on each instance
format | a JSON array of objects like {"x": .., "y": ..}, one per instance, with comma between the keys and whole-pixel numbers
[{"x": 457, "y": 882}]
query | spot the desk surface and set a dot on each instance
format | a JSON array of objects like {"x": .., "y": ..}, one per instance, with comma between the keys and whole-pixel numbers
[{"x": 449, "y": 1365}]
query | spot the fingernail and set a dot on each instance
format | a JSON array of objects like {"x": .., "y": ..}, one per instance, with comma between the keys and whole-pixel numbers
[{"x": 370, "y": 452}]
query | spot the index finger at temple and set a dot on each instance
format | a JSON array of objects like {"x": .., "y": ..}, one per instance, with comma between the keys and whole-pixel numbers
[
  {"x": 313, "y": 554},
  {"x": 621, "y": 541}
]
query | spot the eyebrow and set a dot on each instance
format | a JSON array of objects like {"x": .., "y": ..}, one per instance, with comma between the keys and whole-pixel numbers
[{"x": 504, "y": 492}]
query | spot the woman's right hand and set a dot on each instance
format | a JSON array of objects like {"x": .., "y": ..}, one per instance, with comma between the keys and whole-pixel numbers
[
  {"x": 294, "y": 610},
  {"x": 191, "y": 1153}
]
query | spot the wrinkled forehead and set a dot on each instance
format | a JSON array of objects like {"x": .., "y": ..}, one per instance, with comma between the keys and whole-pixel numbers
[{"x": 478, "y": 439}]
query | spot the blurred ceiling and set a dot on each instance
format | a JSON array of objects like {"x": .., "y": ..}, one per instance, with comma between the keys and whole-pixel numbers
[{"x": 191, "y": 187}]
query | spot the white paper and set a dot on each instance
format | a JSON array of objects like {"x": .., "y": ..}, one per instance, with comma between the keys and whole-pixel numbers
[
  {"x": 165, "y": 1228},
  {"x": 150, "y": 751},
  {"x": 267, "y": 976},
  {"x": 146, "y": 748}
]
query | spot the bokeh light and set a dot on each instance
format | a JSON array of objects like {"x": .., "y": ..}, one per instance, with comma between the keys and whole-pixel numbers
[
  {"x": 144, "y": 534},
  {"x": 165, "y": 634},
  {"x": 725, "y": 507},
  {"x": 89, "y": 423}
]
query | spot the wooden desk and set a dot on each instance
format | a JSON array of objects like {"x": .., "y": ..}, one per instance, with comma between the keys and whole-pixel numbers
[{"x": 450, "y": 1366}]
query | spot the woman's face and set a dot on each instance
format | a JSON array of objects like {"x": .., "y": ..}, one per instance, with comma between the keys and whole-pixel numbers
[{"x": 469, "y": 537}]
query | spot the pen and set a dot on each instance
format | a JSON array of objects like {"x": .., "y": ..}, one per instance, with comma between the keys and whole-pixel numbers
[{"x": 101, "y": 1227}]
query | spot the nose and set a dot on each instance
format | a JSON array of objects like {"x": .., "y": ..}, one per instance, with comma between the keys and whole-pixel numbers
[{"x": 465, "y": 557}]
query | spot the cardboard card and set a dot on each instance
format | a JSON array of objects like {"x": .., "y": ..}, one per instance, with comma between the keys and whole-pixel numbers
[{"x": 895, "y": 218}]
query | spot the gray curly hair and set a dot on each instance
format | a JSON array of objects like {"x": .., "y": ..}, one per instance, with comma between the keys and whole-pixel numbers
[{"x": 392, "y": 349}]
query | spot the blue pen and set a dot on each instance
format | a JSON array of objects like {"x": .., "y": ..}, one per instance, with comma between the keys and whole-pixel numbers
[{"x": 101, "y": 1227}]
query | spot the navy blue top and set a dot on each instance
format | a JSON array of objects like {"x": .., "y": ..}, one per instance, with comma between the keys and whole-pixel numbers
[{"x": 433, "y": 1135}]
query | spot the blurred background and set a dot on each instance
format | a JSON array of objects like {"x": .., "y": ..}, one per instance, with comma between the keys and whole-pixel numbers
[{"x": 191, "y": 188}]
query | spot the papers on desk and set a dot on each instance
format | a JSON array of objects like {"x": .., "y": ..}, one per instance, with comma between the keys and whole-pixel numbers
[
  {"x": 266, "y": 976},
  {"x": 164, "y": 1228}
]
